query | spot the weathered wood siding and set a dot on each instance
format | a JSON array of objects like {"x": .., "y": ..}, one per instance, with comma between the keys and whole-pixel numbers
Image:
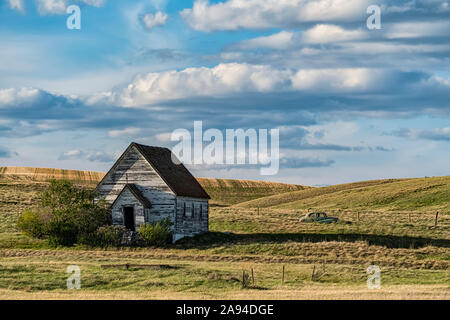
[
  {"x": 133, "y": 168},
  {"x": 192, "y": 217},
  {"x": 127, "y": 199}
]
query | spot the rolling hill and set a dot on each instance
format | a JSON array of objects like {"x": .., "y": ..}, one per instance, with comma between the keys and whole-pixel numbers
[
  {"x": 223, "y": 192},
  {"x": 46, "y": 174},
  {"x": 387, "y": 195},
  {"x": 227, "y": 191},
  {"x": 412, "y": 251},
  {"x": 418, "y": 194}
]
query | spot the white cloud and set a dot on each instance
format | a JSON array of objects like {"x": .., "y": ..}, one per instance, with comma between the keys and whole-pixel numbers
[
  {"x": 151, "y": 20},
  {"x": 164, "y": 137},
  {"x": 436, "y": 134},
  {"x": 94, "y": 3},
  {"x": 71, "y": 154},
  {"x": 336, "y": 80},
  {"x": 323, "y": 33},
  {"x": 125, "y": 132},
  {"x": 281, "y": 40},
  {"x": 225, "y": 80},
  {"x": 418, "y": 29},
  {"x": 92, "y": 156},
  {"x": 17, "y": 5},
  {"x": 46, "y": 7},
  {"x": 420, "y": 6},
  {"x": 8, "y": 97},
  {"x": 262, "y": 14},
  {"x": 221, "y": 80},
  {"x": 51, "y": 6}
]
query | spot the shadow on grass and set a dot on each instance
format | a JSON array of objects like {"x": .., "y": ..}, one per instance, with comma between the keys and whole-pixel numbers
[
  {"x": 218, "y": 205},
  {"x": 214, "y": 239}
]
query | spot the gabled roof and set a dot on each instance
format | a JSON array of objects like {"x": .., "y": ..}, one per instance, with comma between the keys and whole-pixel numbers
[
  {"x": 137, "y": 193},
  {"x": 176, "y": 176}
]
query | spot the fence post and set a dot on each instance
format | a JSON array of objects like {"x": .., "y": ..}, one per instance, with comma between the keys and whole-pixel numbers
[
  {"x": 253, "y": 278},
  {"x": 436, "y": 219},
  {"x": 282, "y": 280},
  {"x": 314, "y": 270},
  {"x": 409, "y": 217}
]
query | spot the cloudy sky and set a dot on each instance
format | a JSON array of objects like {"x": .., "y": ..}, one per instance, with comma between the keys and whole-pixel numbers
[{"x": 351, "y": 103}]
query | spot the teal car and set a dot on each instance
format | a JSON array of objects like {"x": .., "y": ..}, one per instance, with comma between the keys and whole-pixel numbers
[{"x": 320, "y": 217}]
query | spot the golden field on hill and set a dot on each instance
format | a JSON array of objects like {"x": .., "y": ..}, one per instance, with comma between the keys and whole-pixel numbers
[{"x": 254, "y": 225}]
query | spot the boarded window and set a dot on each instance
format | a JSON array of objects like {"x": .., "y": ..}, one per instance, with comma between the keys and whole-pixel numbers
[
  {"x": 198, "y": 209},
  {"x": 205, "y": 210},
  {"x": 188, "y": 209}
]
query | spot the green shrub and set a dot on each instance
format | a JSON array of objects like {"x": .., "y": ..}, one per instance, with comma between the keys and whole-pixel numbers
[
  {"x": 157, "y": 234},
  {"x": 89, "y": 218},
  {"x": 61, "y": 233},
  {"x": 67, "y": 214},
  {"x": 104, "y": 236},
  {"x": 32, "y": 224}
]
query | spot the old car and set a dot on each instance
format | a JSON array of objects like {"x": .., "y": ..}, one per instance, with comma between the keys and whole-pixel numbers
[{"x": 321, "y": 217}]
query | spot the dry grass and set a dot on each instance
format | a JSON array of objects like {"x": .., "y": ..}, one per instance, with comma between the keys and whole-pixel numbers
[
  {"x": 286, "y": 221},
  {"x": 45, "y": 174},
  {"x": 414, "y": 256},
  {"x": 289, "y": 197},
  {"x": 226, "y": 192},
  {"x": 413, "y": 195},
  {"x": 314, "y": 292},
  {"x": 223, "y": 192},
  {"x": 30, "y": 277}
]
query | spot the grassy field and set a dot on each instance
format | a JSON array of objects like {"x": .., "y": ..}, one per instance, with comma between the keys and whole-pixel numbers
[
  {"x": 223, "y": 192},
  {"x": 389, "y": 223}
]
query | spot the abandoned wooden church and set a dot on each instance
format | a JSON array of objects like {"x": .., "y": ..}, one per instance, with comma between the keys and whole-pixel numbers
[{"x": 145, "y": 186}]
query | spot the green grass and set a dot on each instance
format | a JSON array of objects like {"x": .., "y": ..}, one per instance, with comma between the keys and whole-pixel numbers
[
  {"x": 414, "y": 195},
  {"x": 25, "y": 276},
  {"x": 263, "y": 234},
  {"x": 288, "y": 197}
]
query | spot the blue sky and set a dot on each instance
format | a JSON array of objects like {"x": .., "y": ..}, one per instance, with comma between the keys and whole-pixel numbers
[{"x": 351, "y": 103}]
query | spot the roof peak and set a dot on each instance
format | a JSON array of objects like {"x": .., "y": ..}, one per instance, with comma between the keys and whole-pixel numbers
[
  {"x": 175, "y": 175},
  {"x": 147, "y": 146},
  {"x": 137, "y": 194}
]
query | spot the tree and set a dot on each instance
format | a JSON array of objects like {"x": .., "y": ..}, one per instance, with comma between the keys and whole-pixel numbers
[{"x": 67, "y": 212}]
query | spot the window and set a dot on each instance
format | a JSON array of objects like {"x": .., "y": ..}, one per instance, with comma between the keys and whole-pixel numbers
[
  {"x": 197, "y": 211},
  {"x": 188, "y": 209}
]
